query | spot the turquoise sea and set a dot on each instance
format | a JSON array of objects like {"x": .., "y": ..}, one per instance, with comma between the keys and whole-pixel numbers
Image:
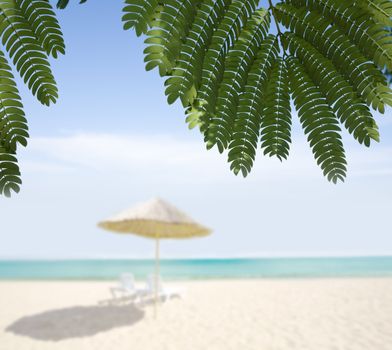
[{"x": 197, "y": 268}]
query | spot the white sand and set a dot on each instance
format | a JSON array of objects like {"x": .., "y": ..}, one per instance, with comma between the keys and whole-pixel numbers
[{"x": 333, "y": 314}]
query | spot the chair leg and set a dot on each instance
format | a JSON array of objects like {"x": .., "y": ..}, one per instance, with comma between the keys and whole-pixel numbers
[{"x": 113, "y": 292}]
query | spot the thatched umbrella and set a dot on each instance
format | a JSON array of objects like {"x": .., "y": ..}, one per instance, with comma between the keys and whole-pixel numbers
[{"x": 155, "y": 219}]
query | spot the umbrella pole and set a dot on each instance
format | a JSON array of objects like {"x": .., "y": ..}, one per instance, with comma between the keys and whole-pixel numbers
[{"x": 156, "y": 275}]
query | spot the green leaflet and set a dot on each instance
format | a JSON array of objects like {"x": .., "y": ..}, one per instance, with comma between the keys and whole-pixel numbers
[
  {"x": 352, "y": 112},
  {"x": 10, "y": 180},
  {"x": 251, "y": 107},
  {"x": 13, "y": 124},
  {"x": 139, "y": 14},
  {"x": 365, "y": 77},
  {"x": 276, "y": 120},
  {"x": 62, "y": 4},
  {"x": 237, "y": 65},
  {"x": 29, "y": 32},
  {"x": 165, "y": 39},
  {"x": 381, "y": 10},
  {"x": 227, "y": 32},
  {"x": 319, "y": 123},
  {"x": 26, "y": 52},
  {"x": 43, "y": 22},
  {"x": 186, "y": 76},
  {"x": 371, "y": 38}
]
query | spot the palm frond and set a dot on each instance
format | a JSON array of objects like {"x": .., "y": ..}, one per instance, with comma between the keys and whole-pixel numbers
[
  {"x": 237, "y": 66},
  {"x": 232, "y": 81},
  {"x": 43, "y": 22},
  {"x": 139, "y": 14},
  {"x": 319, "y": 123},
  {"x": 13, "y": 124},
  {"x": 276, "y": 121},
  {"x": 366, "y": 78},
  {"x": 26, "y": 52},
  {"x": 232, "y": 78},
  {"x": 381, "y": 10},
  {"x": 29, "y": 32},
  {"x": 370, "y": 37},
  {"x": 340, "y": 95},
  {"x": 165, "y": 40},
  {"x": 10, "y": 180},
  {"x": 186, "y": 76},
  {"x": 226, "y": 33},
  {"x": 251, "y": 108}
]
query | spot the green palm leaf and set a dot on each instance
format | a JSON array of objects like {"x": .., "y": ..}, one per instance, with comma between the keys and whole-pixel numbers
[
  {"x": 319, "y": 123},
  {"x": 139, "y": 14},
  {"x": 381, "y": 10},
  {"x": 232, "y": 77},
  {"x": 352, "y": 112},
  {"x": 43, "y": 22},
  {"x": 13, "y": 124},
  {"x": 364, "y": 76},
  {"x": 226, "y": 33},
  {"x": 166, "y": 38},
  {"x": 28, "y": 31},
  {"x": 276, "y": 121},
  {"x": 10, "y": 180},
  {"x": 186, "y": 75},
  {"x": 371, "y": 38},
  {"x": 26, "y": 52},
  {"x": 251, "y": 109},
  {"x": 237, "y": 66}
]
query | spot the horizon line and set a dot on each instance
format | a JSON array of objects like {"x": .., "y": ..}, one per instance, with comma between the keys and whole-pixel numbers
[{"x": 207, "y": 257}]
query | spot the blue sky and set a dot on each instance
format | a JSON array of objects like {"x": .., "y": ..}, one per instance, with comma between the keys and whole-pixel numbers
[{"x": 112, "y": 141}]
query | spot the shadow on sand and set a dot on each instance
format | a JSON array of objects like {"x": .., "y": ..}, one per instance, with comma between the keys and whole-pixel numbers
[{"x": 76, "y": 322}]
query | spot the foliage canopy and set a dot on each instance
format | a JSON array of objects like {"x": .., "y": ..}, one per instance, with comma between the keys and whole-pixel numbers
[
  {"x": 236, "y": 79},
  {"x": 235, "y": 66},
  {"x": 29, "y": 33}
]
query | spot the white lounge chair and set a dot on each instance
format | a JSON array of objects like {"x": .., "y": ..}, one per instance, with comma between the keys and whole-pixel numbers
[
  {"x": 126, "y": 287},
  {"x": 162, "y": 292}
]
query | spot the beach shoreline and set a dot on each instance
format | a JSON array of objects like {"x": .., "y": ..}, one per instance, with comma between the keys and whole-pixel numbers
[{"x": 282, "y": 314}]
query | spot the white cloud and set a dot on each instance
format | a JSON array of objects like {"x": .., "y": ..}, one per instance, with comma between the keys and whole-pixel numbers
[
  {"x": 78, "y": 179},
  {"x": 154, "y": 155},
  {"x": 97, "y": 150},
  {"x": 138, "y": 156}
]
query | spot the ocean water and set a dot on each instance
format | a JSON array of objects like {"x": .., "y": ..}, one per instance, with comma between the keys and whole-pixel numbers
[{"x": 198, "y": 268}]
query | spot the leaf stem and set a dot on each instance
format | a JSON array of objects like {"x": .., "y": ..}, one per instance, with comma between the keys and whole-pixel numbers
[{"x": 280, "y": 33}]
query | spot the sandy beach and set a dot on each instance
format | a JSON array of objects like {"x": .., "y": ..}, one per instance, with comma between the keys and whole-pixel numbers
[{"x": 333, "y": 314}]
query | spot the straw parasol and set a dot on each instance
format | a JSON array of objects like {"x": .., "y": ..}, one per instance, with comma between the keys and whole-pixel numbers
[{"x": 155, "y": 219}]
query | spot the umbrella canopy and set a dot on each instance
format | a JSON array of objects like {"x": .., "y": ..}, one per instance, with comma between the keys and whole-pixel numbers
[{"x": 155, "y": 219}]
